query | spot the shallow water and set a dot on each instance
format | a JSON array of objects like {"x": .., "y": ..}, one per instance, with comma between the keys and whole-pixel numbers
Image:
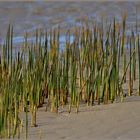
[{"x": 28, "y": 16}]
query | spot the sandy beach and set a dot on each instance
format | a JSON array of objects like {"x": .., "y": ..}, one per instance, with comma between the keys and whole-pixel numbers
[{"x": 117, "y": 121}]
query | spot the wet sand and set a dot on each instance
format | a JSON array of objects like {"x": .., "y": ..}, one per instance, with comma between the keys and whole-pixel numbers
[{"x": 28, "y": 16}]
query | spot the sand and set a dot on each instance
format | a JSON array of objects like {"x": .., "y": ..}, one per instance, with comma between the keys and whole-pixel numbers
[{"x": 118, "y": 121}]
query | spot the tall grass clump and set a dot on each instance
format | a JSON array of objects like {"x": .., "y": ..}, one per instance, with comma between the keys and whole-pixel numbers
[{"x": 90, "y": 69}]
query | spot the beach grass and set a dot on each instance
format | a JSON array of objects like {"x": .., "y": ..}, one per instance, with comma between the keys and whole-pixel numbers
[{"x": 89, "y": 70}]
